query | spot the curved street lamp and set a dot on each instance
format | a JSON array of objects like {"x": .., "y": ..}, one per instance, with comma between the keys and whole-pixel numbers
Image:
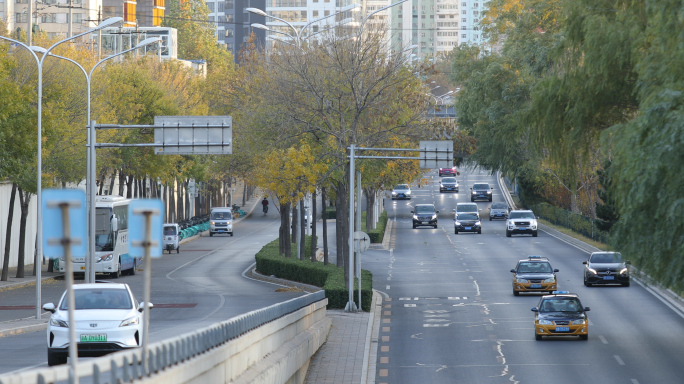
[{"x": 39, "y": 213}]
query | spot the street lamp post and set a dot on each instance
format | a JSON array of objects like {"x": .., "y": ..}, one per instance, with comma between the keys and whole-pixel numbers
[
  {"x": 39, "y": 218},
  {"x": 90, "y": 178}
]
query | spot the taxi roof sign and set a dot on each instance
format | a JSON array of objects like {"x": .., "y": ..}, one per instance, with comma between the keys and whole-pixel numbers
[{"x": 560, "y": 292}]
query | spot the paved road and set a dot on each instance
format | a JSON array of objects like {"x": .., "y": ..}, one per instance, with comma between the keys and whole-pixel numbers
[
  {"x": 201, "y": 285},
  {"x": 450, "y": 315}
]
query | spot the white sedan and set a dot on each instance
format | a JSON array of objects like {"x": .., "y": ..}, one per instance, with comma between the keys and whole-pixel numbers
[
  {"x": 401, "y": 191},
  {"x": 107, "y": 316}
]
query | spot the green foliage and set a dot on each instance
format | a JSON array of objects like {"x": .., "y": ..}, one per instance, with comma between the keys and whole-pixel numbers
[
  {"x": 329, "y": 277},
  {"x": 377, "y": 234}
]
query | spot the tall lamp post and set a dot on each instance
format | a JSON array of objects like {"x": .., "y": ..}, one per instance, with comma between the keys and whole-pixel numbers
[
  {"x": 298, "y": 33},
  {"x": 39, "y": 213},
  {"x": 90, "y": 269}
]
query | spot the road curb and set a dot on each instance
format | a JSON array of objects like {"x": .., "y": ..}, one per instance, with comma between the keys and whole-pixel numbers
[
  {"x": 370, "y": 355},
  {"x": 24, "y": 329}
]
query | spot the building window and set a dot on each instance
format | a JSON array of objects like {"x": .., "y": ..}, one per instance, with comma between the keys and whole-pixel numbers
[
  {"x": 21, "y": 18},
  {"x": 463, "y": 36},
  {"x": 326, "y": 13},
  {"x": 463, "y": 28},
  {"x": 315, "y": 14},
  {"x": 464, "y": 20},
  {"x": 464, "y": 12},
  {"x": 78, "y": 17}
]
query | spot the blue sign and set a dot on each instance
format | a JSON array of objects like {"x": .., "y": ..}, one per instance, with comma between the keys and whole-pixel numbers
[
  {"x": 138, "y": 227},
  {"x": 53, "y": 230}
]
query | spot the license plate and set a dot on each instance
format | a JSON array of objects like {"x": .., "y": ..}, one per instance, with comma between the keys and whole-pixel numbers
[
  {"x": 522, "y": 228},
  {"x": 467, "y": 228},
  {"x": 562, "y": 329},
  {"x": 220, "y": 230},
  {"x": 608, "y": 277},
  {"x": 93, "y": 338},
  {"x": 426, "y": 222},
  {"x": 498, "y": 214},
  {"x": 535, "y": 286}
]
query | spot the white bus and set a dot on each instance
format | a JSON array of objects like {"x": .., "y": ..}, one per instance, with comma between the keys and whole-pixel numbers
[{"x": 111, "y": 239}]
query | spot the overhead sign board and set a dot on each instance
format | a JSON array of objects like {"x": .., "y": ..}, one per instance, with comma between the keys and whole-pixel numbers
[
  {"x": 436, "y": 154},
  {"x": 193, "y": 135}
]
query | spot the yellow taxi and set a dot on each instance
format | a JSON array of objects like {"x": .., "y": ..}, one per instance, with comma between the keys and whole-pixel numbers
[
  {"x": 534, "y": 274},
  {"x": 561, "y": 314}
]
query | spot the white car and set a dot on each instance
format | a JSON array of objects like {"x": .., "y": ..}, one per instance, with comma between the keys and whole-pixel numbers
[
  {"x": 520, "y": 222},
  {"x": 108, "y": 319},
  {"x": 401, "y": 191}
]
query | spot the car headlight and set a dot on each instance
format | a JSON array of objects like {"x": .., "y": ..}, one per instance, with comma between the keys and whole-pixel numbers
[
  {"x": 457, "y": 222},
  {"x": 478, "y": 223},
  {"x": 130, "y": 321},
  {"x": 579, "y": 322},
  {"x": 550, "y": 280},
  {"x": 434, "y": 217},
  {"x": 624, "y": 271},
  {"x": 474, "y": 192},
  {"x": 57, "y": 322},
  {"x": 489, "y": 192},
  {"x": 592, "y": 271},
  {"x": 105, "y": 258},
  {"x": 213, "y": 223},
  {"x": 415, "y": 217},
  {"x": 394, "y": 193},
  {"x": 520, "y": 280},
  {"x": 545, "y": 322},
  {"x": 229, "y": 222}
]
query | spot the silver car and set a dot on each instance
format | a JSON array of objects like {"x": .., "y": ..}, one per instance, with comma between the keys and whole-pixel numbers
[
  {"x": 401, "y": 191},
  {"x": 498, "y": 211}
]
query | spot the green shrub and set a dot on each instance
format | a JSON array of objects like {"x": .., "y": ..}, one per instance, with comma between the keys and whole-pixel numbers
[
  {"x": 377, "y": 234},
  {"x": 329, "y": 277},
  {"x": 331, "y": 212}
]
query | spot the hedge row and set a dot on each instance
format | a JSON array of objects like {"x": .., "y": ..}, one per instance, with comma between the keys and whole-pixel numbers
[
  {"x": 377, "y": 234},
  {"x": 578, "y": 223},
  {"x": 329, "y": 277}
]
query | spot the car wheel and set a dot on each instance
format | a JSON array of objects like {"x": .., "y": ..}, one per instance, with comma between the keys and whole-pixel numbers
[
  {"x": 584, "y": 337},
  {"x": 211, "y": 234},
  {"x": 471, "y": 199},
  {"x": 508, "y": 233},
  {"x": 117, "y": 274},
  {"x": 537, "y": 337},
  {"x": 534, "y": 234},
  {"x": 435, "y": 226},
  {"x": 55, "y": 359},
  {"x": 455, "y": 231},
  {"x": 490, "y": 199},
  {"x": 178, "y": 249},
  {"x": 456, "y": 190},
  {"x": 516, "y": 293},
  {"x": 414, "y": 226},
  {"x": 132, "y": 270},
  {"x": 625, "y": 284},
  {"x": 231, "y": 234},
  {"x": 479, "y": 231},
  {"x": 490, "y": 218}
]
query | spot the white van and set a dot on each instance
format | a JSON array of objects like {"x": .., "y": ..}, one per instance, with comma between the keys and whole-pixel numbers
[{"x": 221, "y": 221}]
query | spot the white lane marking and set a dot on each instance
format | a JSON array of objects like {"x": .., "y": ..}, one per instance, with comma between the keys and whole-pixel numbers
[
  {"x": 387, "y": 287},
  {"x": 415, "y": 298},
  {"x": 410, "y": 305},
  {"x": 635, "y": 381},
  {"x": 603, "y": 339},
  {"x": 454, "y": 298},
  {"x": 435, "y": 325},
  {"x": 619, "y": 360},
  {"x": 389, "y": 278},
  {"x": 404, "y": 298},
  {"x": 432, "y": 298}
]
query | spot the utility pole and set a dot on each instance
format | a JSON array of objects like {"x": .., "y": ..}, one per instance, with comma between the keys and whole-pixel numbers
[
  {"x": 70, "y": 22},
  {"x": 30, "y": 22}
]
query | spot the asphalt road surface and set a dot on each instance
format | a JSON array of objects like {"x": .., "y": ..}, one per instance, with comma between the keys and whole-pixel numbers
[{"x": 450, "y": 315}]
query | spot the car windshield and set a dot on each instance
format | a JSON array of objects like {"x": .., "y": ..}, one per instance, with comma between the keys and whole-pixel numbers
[
  {"x": 221, "y": 215},
  {"x": 466, "y": 207},
  {"x": 402, "y": 186},
  {"x": 169, "y": 231},
  {"x": 521, "y": 215},
  {"x": 558, "y": 304},
  {"x": 534, "y": 267},
  {"x": 481, "y": 186},
  {"x": 499, "y": 206},
  {"x": 100, "y": 298},
  {"x": 467, "y": 216},
  {"x": 449, "y": 180},
  {"x": 425, "y": 209},
  {"x": 606, "y": 258}
]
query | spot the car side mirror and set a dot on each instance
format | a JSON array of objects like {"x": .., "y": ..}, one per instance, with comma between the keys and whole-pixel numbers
[
  {"x": 141, "y": 306},
  {"x": 585, "y": 262},
  {"x": 535, "y": 309},
  {"x": 50, "y": 307},
  {"x": 453, "y": 210},
  {"x": 512, "y": 270},
  {"x": 587, "y": 309},
  {"x": 411, "y": 211},
  {"x": 115, "y": 224},
  {"x": 471, "y": 189},
  {"x": 436, "y": 211},
  {"x": 556, "y": 270}
]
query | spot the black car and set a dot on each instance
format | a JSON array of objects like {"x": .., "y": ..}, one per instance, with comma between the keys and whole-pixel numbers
[
  {"x": 424, "y": 214},
  {"x": 448, "y": 184},
  {"x": 481, "y": 191},
  {"x": 561, "y": 314},
  {"x": 467, "y": 222},
  {"x": 606, "y": 268}
]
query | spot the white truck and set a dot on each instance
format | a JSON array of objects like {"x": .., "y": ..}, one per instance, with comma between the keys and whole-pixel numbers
[{"x": 221, "y": 221}]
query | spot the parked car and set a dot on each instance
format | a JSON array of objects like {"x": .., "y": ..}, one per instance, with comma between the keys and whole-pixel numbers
[
  {"x": 606, "y": 268},
  {"x": 424, "y": 214},
  {"x": 108, "y": 319},
  {"x": 448, "y": 184},
  {"x": 481, "y": 191},
  {"x": 498, "y": 211},
  {"x": 467, "y": 222},
  {"x": 521, "y": 222},
  {"x": 401, "y": 191}
]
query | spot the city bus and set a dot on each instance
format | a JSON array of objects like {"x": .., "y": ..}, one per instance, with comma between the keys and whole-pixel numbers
[{"x": 111, "y": 239}]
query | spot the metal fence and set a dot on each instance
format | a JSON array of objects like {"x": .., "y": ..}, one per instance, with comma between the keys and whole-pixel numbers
[{"x": 126, "y": 366}]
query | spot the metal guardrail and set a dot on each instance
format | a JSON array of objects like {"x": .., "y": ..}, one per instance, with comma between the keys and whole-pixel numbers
[{"x": 126, "y": 366}]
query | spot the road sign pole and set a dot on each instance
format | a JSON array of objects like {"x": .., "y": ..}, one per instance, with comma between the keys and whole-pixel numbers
[
  {"x": 148, "y": 287},
  {"x": 351, "y": 306},
  {"x": 358, "y": 228}
]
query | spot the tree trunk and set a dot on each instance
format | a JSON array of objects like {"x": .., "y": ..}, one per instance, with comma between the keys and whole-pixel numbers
[
  {"x": 324, "y": 216},
  {"x": 172, "y": 204},
  {"x": 284, "y": 239},
  {"x": 302, "y": 230},
  {"x": 24, "y": 199},
  {"x": 111, "y": 183},
  {"x": 244, "y": 193},
  {"x": 295, "y": 222},
  {"x": 342, "y": 225},
  {"x": 129, "y": 187},
  {"x": 8, "y": 235},
  {"x": 313, "y": 226},
  {"x": 122, "y": 182},
  {"x": 180, "y": 200},
  {"x": 370, "y": 211}
]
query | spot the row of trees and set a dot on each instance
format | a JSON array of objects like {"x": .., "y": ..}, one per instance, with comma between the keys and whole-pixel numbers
[
  {"x": 583, "y": 105},
  {"x": 295, "y": 112}
]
